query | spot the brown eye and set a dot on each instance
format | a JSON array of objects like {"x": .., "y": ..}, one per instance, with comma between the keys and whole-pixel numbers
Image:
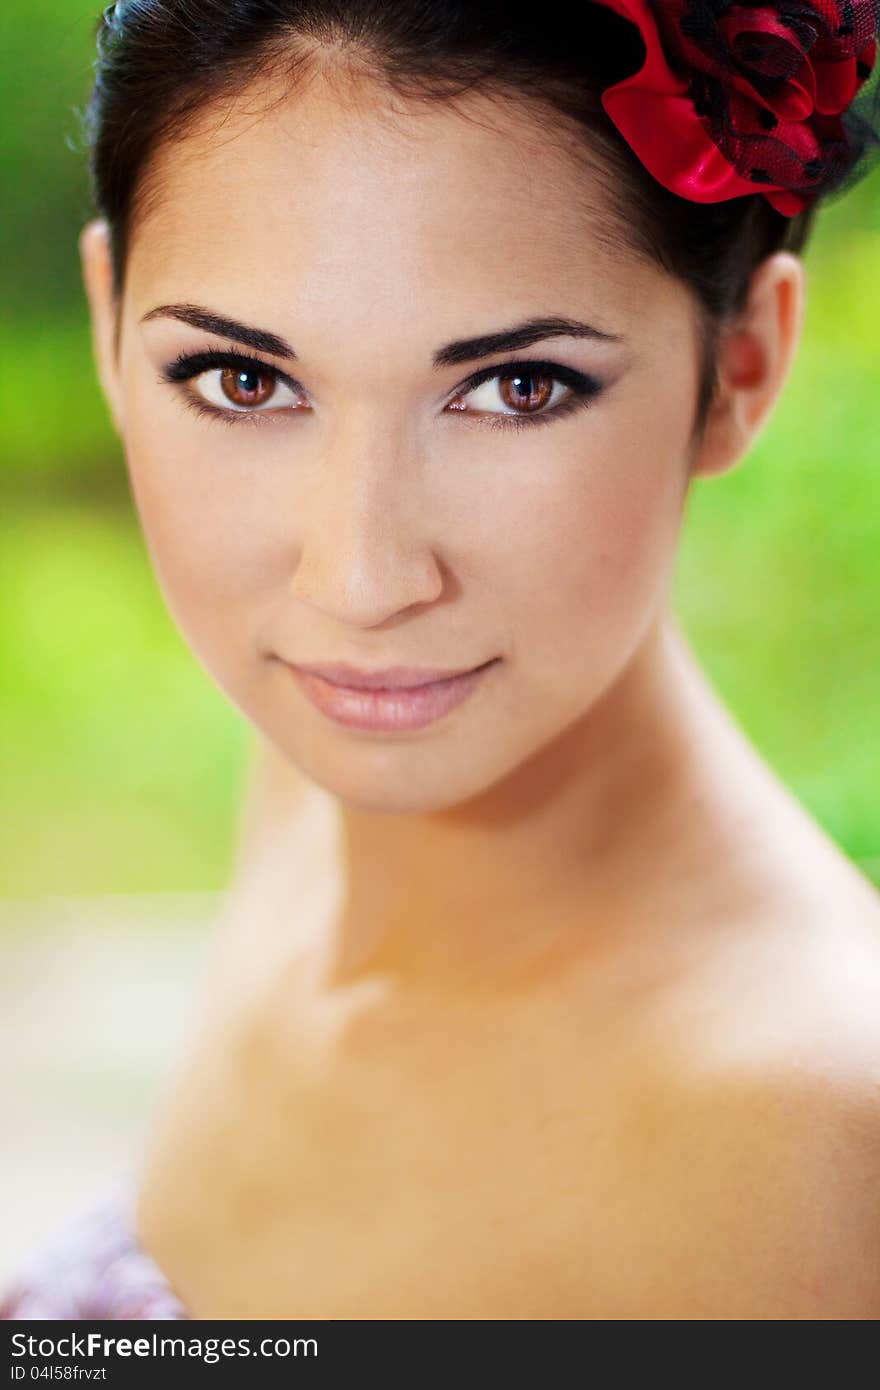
[
  {"x": 245, "y": 386},
  {"x": 526, "y": 391},
  {"x": 530, "y": 393}
]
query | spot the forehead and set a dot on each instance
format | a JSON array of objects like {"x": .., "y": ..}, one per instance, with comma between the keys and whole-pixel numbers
[{"x": 319, "y": 198}]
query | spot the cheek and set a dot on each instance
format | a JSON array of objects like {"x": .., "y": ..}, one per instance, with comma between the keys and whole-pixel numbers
[
  {"x": 588, "y": 559},
  {"x": 204, "y": 527}
]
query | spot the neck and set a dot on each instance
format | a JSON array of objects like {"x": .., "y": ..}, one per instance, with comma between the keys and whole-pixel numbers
[{"x": 581, "y": 839}]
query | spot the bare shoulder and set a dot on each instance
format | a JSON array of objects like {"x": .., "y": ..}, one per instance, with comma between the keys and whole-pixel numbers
[{"x": 762, "y": 1136}]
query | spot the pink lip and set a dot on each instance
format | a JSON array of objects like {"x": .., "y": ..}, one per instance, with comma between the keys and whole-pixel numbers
[{"x": 382, "y": 700}]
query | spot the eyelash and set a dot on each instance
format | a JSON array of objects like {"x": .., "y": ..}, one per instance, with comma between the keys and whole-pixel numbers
[{"x": 186, "y": 366}]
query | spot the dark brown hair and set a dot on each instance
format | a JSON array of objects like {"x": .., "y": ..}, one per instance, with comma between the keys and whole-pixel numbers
[{"x": 162, "y": 62}]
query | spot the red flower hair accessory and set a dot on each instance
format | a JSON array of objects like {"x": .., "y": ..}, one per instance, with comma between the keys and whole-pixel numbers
[{"x": 731, "y": 95}]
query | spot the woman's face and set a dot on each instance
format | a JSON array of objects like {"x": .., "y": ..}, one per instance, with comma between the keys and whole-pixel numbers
[{"x": 364, "y": 501}]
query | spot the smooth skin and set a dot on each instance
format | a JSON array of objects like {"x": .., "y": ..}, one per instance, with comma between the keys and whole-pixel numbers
[{"x": 561, "y": 1007}]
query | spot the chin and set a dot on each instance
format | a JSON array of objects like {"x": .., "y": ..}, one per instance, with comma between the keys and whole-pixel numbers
[{"x": 395, "y": 778}]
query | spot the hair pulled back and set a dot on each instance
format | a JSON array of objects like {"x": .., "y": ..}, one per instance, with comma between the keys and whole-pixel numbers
[{"x": 162, "y": 62}]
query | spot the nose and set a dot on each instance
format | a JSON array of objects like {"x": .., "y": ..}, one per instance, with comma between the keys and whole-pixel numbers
[{"x": 365, "y": 552}]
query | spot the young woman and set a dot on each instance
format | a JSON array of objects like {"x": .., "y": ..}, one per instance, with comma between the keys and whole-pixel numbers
[{"x": 537, "y": 995}]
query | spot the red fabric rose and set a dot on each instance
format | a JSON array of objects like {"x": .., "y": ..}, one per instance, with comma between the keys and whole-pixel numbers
[{"x": 738, "y": 95}]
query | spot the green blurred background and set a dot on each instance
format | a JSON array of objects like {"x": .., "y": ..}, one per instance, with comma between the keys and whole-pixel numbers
[{"x": 122, "y": 765}]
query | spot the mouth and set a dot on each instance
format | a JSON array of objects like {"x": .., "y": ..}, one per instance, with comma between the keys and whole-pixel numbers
[
  {"x": 386, "y": 678},
  {"x": 394, "y": 700}
]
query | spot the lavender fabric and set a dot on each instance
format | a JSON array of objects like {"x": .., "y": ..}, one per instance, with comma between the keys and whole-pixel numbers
[{"x": 93, "y": 1267}]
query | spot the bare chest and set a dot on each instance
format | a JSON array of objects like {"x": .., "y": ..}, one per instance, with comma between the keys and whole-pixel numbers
[
  {"x": 566, "y": 1159},
  {"x": 440, "y": 1180}
]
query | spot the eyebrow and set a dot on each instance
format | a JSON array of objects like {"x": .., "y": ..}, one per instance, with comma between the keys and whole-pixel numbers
[
  {"x": 519, "y": 335},
  {"x": 197, "y": 317}
]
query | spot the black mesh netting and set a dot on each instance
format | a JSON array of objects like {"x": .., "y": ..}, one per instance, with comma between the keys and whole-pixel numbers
[{"x": 790, "y": 93}]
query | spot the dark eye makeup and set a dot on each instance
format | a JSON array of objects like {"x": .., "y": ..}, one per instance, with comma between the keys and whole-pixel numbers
[{"x": 582, "y": 387}]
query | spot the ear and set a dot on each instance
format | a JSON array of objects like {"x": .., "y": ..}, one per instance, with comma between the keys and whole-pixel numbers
[
  {"x": 756, "y": 353},
  {"x": 94, "y": 251}
]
